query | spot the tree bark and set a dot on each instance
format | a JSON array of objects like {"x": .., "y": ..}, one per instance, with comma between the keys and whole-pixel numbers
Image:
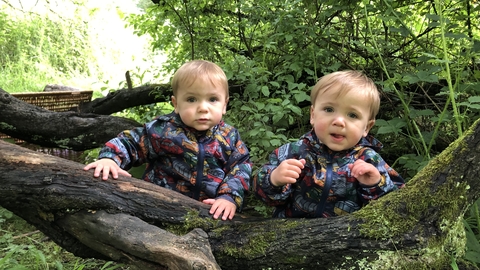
[
  {"x": 70, "y": 130},
  {"x": 119, "y": 100},
  {"x": 135, "y": 222}
]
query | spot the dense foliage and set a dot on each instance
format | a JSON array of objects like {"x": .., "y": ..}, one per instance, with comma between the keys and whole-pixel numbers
[
  {"x": 423, "y": 55},
  {"x": 41, "y": 49}
]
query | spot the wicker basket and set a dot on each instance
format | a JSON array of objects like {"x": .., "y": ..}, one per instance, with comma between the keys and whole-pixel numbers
[{"x": 54, "y": 101}]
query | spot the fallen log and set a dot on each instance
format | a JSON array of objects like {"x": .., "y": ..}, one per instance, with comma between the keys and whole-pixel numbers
[
  {"x": 128, "y": 220},
  {"x": 69, "y": 130}
]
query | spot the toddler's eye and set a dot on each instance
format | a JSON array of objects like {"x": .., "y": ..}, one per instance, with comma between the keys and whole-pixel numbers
[
  {"x": 328, "y": 109},
  {"x": 353, "y": 115},
  {"x": 213, "y": 99},
  {"x": 190, "y": 99}
]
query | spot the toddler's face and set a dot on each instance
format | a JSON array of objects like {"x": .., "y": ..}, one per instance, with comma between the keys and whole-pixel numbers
[
  {"x": 200, "y": 105},
  {"x": 340, "y": 121}
]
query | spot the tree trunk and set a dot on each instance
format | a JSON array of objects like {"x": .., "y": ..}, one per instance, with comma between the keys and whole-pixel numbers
[
  {"x": 131, "y": 221},
  {"x": 90, "y": 126}
]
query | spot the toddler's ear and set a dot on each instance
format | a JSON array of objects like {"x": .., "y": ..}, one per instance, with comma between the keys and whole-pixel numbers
[
  {"x": 312, "y": 114},
  {"x": 368, "y": 127},
  {"x": 225, "y": 106},
  {"x": 174, "y": 102}
]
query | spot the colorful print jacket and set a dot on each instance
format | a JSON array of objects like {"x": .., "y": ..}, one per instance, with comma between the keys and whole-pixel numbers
[
  {"x": 210, "y": 164},
  {"x": 346, "y": 194}
]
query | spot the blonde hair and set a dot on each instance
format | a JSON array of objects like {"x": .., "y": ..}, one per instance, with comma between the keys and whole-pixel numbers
[
  {"x": 345, "y": 81},
  {"x": 193, "y": 70}
]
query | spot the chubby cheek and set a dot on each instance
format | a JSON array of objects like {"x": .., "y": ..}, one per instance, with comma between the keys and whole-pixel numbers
[
  {"x": 315, "y": 120},
  {"x": 319, "y": 128}
]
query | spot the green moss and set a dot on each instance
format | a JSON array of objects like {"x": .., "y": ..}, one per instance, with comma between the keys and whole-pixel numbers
[
  {"x": 258, "y": 238},
  {"x": 63, "y": 142},
  {"x": 217, "y": 232},
  {"x": 255, "y": 246},
  {"x": 400, "y": 212},
  {"x": 436, "y": 255},
  {"x": 6, "y": 126},
  {"x": 191, "y": 221},
  {"x": 294, "y": 259}
]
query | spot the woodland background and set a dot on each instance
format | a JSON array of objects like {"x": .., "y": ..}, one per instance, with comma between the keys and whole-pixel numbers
[{"x": 424, "y": 55}]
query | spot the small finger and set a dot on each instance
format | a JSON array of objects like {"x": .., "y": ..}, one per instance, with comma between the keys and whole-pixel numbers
[
  {"x": 213, "y": 209},
  {"x": 97, "y": 171},
  {"x": 226, "y": 215},
  {"x": 106, "y": 172},
  {"x": 114, "y": 173}
]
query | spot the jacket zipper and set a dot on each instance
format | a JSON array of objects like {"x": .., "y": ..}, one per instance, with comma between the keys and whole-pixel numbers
[
  {"x": 326, "y": 188},
  {"x": 198, "y": 181}
]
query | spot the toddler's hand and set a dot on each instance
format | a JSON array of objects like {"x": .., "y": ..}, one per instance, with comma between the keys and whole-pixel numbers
[
  {"x": 287, "y": 172},
  {"x": 220, "y": 206},
  {"x": 365, "y": 172},
  {"x": 107, "y": 166}
]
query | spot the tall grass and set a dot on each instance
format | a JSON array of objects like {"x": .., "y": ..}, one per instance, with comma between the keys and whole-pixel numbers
[
  {"x": 438, "y": 64},
  {"x": 35, "y": 51},
  {"x": 38, "y": 50},
  {"x": 22, "y": 246}
]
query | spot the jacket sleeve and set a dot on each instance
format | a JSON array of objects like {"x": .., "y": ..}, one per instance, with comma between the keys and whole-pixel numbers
[
  {"x": 390, "y": 180},
  {"x": 128, "y": 149},
  {"x": 236, "y": 183},
  {"x": 262, "y": 186}
]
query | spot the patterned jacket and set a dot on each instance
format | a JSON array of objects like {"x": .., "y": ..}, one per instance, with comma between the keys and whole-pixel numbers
[
  {"x": 209, "y": 164},
  {"x": 345, "y": 195}
]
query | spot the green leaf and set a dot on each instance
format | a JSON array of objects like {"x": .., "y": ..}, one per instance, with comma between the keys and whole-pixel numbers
[
  {"x": 265, "y": 91},
  {"x": 456, "y": 35},
  {"x": 476, "y": 46},
  {"x": 418, "y": 113},
  {"x": 426, "y": 76},
  {"x": 292, "y": 85},
  {"x": 275, "y": 142},
  {"x": 253, "y": 132},
  {"x": 277, "y": 117},
  {"x": 301, "y": 96},
  {"x": 474, "y": 106},
  {"x": 246, "y": 108},
  {"x": 296, "y": 110},
  {"x": 260, "y": 105},
  {"x": 392, "y": 126},
  {"x": 275, "y": 84},
  {"x": 474, "y": 99}
]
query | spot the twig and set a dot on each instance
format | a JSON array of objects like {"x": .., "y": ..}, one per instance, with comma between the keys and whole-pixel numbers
[{"x": 26, "y": 234}]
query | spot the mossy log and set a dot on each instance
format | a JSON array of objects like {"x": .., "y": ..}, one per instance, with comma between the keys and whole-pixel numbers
[
  {"x": 69, "y": 130},
  {"x": 135, "y": 222}
]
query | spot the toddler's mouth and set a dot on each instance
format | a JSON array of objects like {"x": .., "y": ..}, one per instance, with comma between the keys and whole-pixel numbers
[{"x": 336, "y": 135}]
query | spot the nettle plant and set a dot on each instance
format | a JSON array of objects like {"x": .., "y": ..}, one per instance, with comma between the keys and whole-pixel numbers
[{"x": 271, "y": 115}]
